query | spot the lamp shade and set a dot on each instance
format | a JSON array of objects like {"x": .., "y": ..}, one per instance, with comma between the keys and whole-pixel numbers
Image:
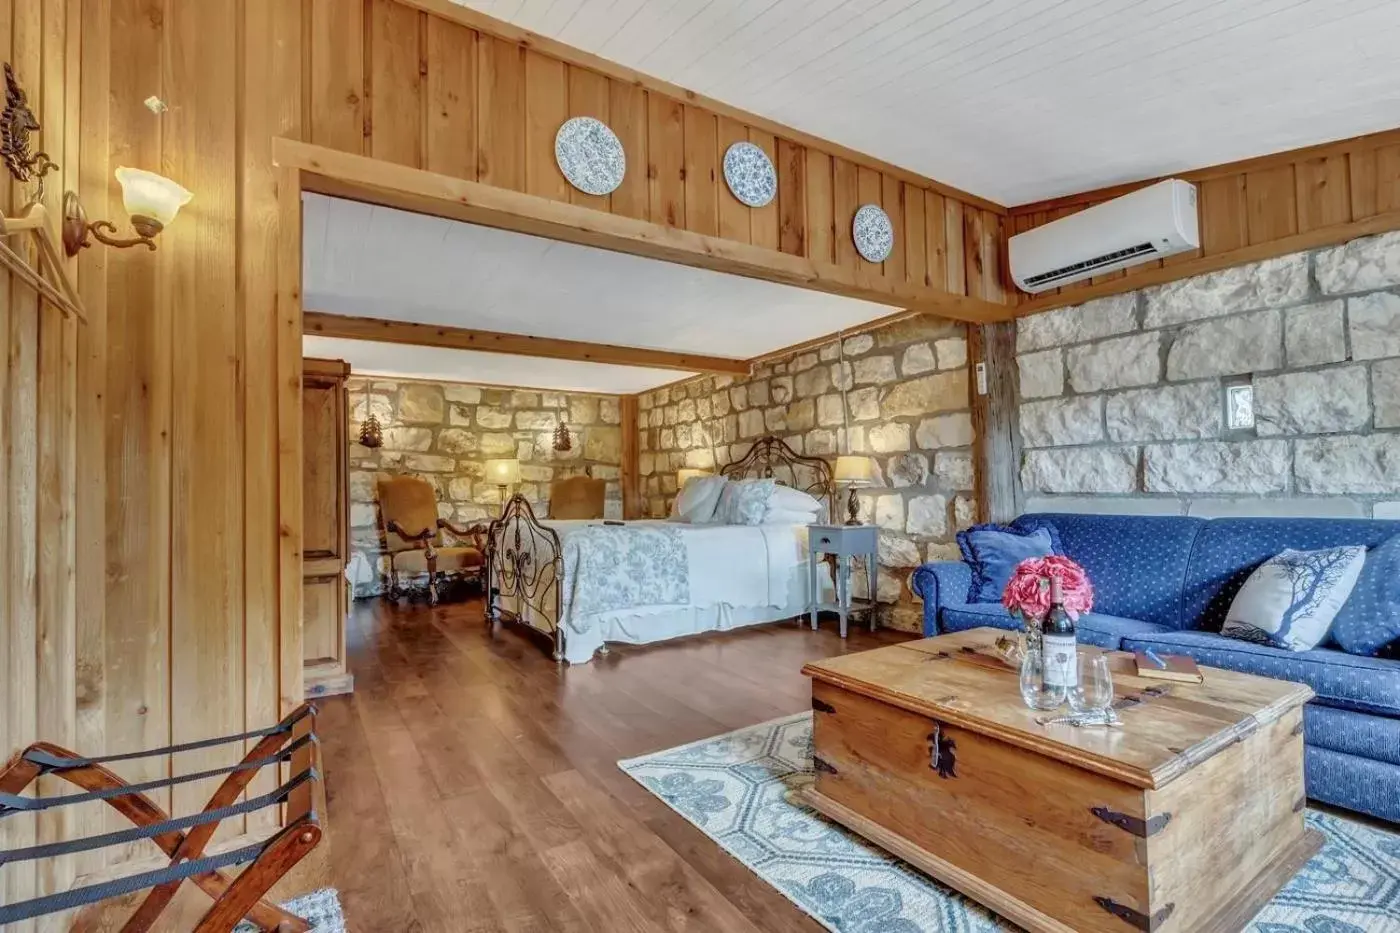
[
  {"x": 146, "y": 194},
  {"x": 686, "y": 475},
  {"x": 857, "y": 471},
  {"x": 503, "y": 472}
]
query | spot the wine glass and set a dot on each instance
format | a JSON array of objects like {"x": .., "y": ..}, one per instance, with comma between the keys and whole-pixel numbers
[
  {"x": 1034, "y": 691},
  {"x": 1093, "y": 694}
]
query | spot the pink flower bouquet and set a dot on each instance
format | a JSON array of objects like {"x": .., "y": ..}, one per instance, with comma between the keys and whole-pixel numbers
[{"x": 1027, "y": 595}]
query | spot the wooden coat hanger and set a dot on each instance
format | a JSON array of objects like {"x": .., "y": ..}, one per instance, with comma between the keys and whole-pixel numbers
[{"x": 60, "y": 292}]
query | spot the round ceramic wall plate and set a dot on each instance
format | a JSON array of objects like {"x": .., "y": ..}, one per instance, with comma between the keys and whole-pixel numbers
[
  {"x": 590, "y": 155},
  {"x": 873, "y": 233},
  {"x": 749, "y": 174}
]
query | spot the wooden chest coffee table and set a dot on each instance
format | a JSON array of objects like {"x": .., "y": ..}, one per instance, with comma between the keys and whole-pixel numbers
[{"x": 1188, "y": 818}]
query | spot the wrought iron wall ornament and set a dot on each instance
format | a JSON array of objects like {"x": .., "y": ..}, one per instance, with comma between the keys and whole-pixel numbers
[
  {"x": 371, "y": 432},
  {"x": 562, "y": 441},
  {"x": 17, "y": 123}
]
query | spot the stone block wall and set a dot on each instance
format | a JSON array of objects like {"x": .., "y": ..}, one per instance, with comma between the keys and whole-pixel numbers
[
  {"x": 1122, "y": 398},
  {"x": 446, "y": 432},
  {"x": 899, "y": 393}
]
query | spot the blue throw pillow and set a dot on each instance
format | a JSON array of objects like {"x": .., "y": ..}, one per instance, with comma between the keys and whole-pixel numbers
[
  {"x": 993, "y": 551},
  {"x": 1369, "y": 622}
]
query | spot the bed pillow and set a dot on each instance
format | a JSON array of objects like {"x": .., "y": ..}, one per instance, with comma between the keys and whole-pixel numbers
[
  {"x": 744, "y": 502},
  {"x": 787, "y": 499},
  {"x": 1368, "y": 623},
  {"x": 698, "y": 499},
  {"x": 789, "y": 517},
  {"x": 993, "y": 551},
  {"x": 1292, "y": 598}
]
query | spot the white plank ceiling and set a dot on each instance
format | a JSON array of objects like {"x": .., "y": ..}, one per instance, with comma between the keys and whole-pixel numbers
[
  {"x": 378, "y": 262},
  {"x": 1016, "y": 100}
]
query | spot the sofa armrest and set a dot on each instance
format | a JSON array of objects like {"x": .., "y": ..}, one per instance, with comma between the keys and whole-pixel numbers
[{"x": 939, "y": 584}]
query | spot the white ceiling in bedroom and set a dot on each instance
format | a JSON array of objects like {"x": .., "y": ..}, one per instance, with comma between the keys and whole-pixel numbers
[
  {"x": 379, "y": 262},
  {"x": 1016, "y": 100},
  {"x": 437, "y": 364}
]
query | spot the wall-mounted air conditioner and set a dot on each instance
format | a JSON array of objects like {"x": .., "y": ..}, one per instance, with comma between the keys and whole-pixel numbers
[{"x": 1150, "y": 223}]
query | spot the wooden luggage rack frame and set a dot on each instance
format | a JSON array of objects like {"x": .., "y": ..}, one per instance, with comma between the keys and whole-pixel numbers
[{"x": 292, "y": 740}]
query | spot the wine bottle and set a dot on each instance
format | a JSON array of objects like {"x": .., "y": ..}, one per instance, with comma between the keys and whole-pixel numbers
[{"x": 1058, "y": 638}]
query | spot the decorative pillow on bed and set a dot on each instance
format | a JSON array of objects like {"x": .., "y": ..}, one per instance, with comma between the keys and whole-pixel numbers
[
  {"x": 698, "y": 500},
  {"x": 1369, "y": 622},
  {"x": 744, "y": 502},
  {"x": 993, "y": 551},
  {"x": 787, "y": 502},
  {"x": 1292, "y": 598}
]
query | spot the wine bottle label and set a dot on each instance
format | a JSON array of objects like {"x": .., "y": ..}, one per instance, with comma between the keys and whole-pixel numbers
[{"x": 1061, "y": 661}]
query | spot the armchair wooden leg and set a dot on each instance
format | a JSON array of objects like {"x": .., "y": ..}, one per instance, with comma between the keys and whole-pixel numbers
[{"x": 432, "y": 580}]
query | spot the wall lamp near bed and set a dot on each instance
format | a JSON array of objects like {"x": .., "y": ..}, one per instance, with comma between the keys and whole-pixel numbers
[{"x": 151, "y": 202}]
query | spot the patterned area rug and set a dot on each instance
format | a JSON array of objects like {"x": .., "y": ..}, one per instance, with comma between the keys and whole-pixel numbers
[
  {"x": 319, "y": 908},
  {"x": 738, "y": 789}
]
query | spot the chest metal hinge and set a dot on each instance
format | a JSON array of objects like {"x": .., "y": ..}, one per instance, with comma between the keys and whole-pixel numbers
[
  {"x": 823, "y": 766},
  {"x": 821, "y": 706},
  {"x": 1132, "y": 824},
  {"x": 1137, "y": 918}
]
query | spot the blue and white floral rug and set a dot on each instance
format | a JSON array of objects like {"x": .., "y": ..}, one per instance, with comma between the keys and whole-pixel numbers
[
  {"x": 738, "y": 789},
  {"x": 320, "y": 908}
]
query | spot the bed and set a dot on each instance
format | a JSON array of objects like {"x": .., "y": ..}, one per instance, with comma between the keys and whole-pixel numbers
[{"x": 585, "y": 584}]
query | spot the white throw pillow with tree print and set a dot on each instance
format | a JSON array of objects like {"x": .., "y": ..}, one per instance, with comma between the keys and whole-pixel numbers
[{"x": 1291, "y": 600}]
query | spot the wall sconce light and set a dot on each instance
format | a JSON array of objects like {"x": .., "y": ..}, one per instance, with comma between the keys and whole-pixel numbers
[{"x": 151, "y": 201}]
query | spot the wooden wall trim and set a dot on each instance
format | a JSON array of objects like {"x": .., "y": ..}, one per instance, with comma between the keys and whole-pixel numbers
[
  {"x": 484, "y": 23},
  {"x": 1249, "y": 210},
  {"x": 349, "y": 327},
  {"x": 342, "y": 174}
]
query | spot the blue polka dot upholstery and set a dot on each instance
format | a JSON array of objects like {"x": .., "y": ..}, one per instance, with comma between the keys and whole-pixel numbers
[
  {"x": 1095, "y": 628},
  {"x": 1136, "y": 563},
  {"x": 1352, "y": 733},
  {"x": 1362, "y": 784},
  {"x": 1227, "y": 551},
  {"x": 1369, "y": 621},
  {"x": 1370, "y": 685}
]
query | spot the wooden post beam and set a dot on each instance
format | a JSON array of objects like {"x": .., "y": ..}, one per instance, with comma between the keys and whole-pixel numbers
[
  {"x": 324, "y": 324},
  {"x": 374, "y": 181}
]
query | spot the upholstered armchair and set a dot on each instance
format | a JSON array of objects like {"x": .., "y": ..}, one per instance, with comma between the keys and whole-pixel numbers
[
  {"x": 413, "y": 533},
  {"x": 576, "y": 497}
]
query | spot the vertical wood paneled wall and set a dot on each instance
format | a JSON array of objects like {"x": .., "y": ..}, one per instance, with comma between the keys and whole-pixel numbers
[
  {"x": 408, "y": 81},
  {"x": 1250, "y": 210}
]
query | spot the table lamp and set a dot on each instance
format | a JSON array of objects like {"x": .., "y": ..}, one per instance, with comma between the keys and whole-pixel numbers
[
  {"x": 504, "y": 473},
  {"x": 687, "y": 474},
  {"x": 854, "y": 472}
]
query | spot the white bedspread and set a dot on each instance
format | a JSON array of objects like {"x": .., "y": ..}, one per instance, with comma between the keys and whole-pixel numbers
[{"x": 739, "y": 574}]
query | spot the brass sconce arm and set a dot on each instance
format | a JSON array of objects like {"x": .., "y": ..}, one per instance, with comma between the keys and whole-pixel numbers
[
  {"x": 97, "y": 227},
  {"x": 78, "y": 232}
]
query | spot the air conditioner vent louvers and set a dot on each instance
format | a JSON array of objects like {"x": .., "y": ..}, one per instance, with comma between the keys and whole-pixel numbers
[{"x": 1098, "y": 262}]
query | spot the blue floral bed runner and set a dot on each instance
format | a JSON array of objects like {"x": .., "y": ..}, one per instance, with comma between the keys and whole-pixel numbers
[{"x": 612, "y": 567}]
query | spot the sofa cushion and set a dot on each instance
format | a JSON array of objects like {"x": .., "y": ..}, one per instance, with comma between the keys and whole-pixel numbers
[
  {"x": 994, "y": 551},
  {"x": 1290, "y": 600},
  {"x": 1228, "y": 549},
  {"x": 1369, "y": 685},
  {"x": 1093, "y": 628},
  {"x": 1137, "y": 564},
  {"x": 1369, "y": 622},
  {"x": 1352, "y": 733}
]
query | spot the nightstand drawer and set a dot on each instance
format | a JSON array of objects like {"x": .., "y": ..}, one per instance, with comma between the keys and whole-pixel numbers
[{"x": 842, "y": 539}]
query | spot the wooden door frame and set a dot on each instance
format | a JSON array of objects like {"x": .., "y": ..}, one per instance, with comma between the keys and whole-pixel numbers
[{"x": 302, "y": 167}]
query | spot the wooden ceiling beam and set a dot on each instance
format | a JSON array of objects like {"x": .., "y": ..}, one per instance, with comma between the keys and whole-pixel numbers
[{"x": 324, "y": 324}]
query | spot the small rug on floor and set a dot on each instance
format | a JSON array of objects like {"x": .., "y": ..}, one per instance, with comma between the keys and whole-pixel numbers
[
  {"x": 738, "y": 789},
  {"x": 320, "y": 908}
]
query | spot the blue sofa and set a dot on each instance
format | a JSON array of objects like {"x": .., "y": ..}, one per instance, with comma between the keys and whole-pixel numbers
[{"x": 1167, "y": 583}]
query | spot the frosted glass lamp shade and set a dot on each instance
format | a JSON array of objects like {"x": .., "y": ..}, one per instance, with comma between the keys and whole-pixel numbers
[
  {"x": 151, "y": 196},
  {"x": 503, "y": 472},
  {"x": 686, "y": 475},
  {"x": 857, "y": 471}
]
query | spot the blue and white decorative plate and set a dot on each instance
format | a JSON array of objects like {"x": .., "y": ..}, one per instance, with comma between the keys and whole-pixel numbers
[
  {"x": 590, "y": 155},
  {"x": 749, "y": 174},
  {"x": 873, "y": 233}
]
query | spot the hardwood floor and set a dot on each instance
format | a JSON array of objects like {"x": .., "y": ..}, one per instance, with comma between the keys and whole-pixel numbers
[{"x": 472, "y": 783}]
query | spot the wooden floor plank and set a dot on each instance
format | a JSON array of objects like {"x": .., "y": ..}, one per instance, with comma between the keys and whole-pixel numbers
[{"x": 473, "y": 783}]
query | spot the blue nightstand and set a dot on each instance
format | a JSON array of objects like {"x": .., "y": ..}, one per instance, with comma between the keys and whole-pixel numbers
[{"x": 846, "y": 543}]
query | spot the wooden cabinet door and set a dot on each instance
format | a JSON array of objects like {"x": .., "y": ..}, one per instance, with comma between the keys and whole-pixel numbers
[{"x": 325, "y": 525}]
